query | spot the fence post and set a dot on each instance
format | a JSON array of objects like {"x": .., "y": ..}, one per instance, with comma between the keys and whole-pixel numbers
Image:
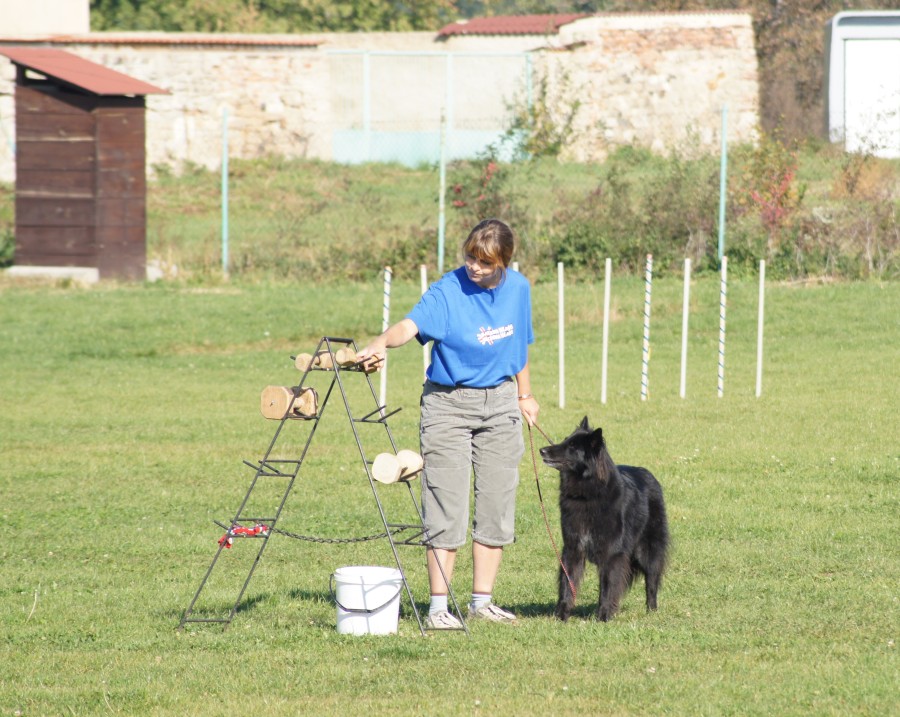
[
  {"x": 385, "y": 323},
  {"x": 225, "y": 191},
  {"x": 607, "y": 278},
  {"x": 423, "y": 276},
  {"x": 723, "y": 172},
  {"x": 759, "y": 329},
  {"x": 562, "y": 336},
  {"x": 723, "y": 291},
  {"x": 442, "y": 197},
  {"x": 645, "y": 358},
  {"x": 684, "y": 326}
]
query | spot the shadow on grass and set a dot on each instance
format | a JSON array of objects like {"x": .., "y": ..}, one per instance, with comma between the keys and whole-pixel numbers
[
  {"x": 221, "y": 611},
  {"x": 549, "y": 610}
]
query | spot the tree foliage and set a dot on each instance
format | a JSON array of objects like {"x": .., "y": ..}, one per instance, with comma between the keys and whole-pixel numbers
[{"x": 271, "y": 15}]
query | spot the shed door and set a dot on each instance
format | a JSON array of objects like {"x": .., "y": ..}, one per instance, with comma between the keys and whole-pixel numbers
[{"x": 872, "y": 96}]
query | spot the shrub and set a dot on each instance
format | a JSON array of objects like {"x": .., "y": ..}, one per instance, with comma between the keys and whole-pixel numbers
[
  {"x": 7, "y": 246},
  {"x": 643, "y": 205}
]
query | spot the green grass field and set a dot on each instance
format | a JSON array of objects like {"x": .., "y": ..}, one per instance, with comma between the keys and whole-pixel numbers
[{"x": 126, "y": 413}]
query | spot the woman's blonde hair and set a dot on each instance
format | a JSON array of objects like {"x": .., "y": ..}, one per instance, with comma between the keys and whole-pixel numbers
[{"x": 491, "y": 241}]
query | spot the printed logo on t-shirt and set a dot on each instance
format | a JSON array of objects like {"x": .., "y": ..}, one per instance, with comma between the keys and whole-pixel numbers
[{"x": 489, "y": 335}]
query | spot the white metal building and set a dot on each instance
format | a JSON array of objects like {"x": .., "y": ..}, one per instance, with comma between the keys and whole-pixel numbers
[{"x": 862, "y": 69}]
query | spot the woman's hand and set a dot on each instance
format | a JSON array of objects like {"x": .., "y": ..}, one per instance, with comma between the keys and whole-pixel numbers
[
  {"x": 375, "y": 351},
  {"x": 530, "y": 409}
]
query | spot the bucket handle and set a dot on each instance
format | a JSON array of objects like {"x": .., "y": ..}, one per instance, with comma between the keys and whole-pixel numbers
[{"x": 367, "y": 611}]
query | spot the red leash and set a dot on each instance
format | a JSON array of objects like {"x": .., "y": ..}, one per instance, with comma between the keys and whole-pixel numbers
[{"x": 544, "y": 510}]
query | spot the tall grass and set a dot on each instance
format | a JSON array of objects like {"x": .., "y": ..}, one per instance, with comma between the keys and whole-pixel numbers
[
  {"x": 126, "y": 412},
  {"x": 812, "y": 211}
]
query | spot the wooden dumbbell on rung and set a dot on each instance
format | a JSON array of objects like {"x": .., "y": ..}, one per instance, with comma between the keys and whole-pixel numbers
[
  {"x": 345, "y": 357},
  {"x": 324, "y": 359},
  {"x": 389, "y": 468},
  {"x": 348, "y": 358},
  {"x": 278, "y": 401},
  {"x": 304, "y": 361}
]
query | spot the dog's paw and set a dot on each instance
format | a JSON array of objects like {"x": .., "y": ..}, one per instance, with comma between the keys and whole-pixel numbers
[{"x": 562, "y": 612}]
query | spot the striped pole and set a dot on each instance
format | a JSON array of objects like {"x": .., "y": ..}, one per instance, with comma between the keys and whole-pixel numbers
[
  {"x": 723, "y": 290},
  {"x": 684, "y": 326},
  {"x": 442, "y": 197},
  {"x": 759, "y": 329},
  {"x": 385, "y": 323},
  {"x": 645, "y": 361},
  {"x": 603, "y": 370},
  {"x": 562, "y": 336},
  {"x": 423, "y": 277},
  {"x": 225, "y": 191},
  {"x": 723, "y": 180}
]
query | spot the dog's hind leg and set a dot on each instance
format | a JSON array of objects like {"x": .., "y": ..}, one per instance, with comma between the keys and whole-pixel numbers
[
  {"x": 573, "y": 559},
  {"x": 653, "y": 579},
  {"x": 653, "y": 559},
  {"x": 653, "y": 573},
  {"x": 615, "y": 576}
]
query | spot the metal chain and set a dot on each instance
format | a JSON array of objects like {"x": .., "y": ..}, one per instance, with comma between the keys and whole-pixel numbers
[{"x": 312, "y": 539}]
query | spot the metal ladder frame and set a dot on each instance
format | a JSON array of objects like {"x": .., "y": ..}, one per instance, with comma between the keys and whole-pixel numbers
[{"x": 290, "y": 468}]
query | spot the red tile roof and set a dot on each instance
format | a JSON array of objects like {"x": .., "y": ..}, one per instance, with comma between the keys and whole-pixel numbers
[
  {"x": 74, "y": 70},
  {"x": 511, "y": 25}
]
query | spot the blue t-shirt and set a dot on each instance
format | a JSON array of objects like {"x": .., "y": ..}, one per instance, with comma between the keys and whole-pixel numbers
[{"x": 480, "y": 336}]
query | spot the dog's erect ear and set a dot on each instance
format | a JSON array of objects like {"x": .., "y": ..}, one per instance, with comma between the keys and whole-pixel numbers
[
  {"x": 597, "y": 443},
  {"x": 584, "y": 425}
]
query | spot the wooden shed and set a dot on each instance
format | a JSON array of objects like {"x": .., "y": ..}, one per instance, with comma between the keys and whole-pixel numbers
[{"x": 80, "y": 164}]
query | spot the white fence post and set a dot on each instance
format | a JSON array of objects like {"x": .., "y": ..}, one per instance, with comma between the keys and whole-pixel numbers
[
  {"x": 645, "y": 356},
  {"x": 562, "y": 336},
  {"x": 606, "y": 288},
  {"x": 385, "y": 323},
  {"x": 759, "y": 330},
  {"x": 684, "y": 326},
  {"x": 723, "y": 291},
  {"x": 423, "y": 281}
]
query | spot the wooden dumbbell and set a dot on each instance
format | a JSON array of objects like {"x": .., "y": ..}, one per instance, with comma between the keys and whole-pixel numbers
[
  {"x": 410, "y": 464},
  {"x": 305, "y": 361},
  {"x": 278, "y": 401},
  {"x": 389, "y": 468},
  {"x": 371, "y": 364},
  {"x": 324, "y": 359},
  {"x": 345, "y": 357}
]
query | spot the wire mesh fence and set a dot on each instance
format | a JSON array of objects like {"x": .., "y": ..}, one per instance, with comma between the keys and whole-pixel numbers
[{"x": 409, "y": 107}]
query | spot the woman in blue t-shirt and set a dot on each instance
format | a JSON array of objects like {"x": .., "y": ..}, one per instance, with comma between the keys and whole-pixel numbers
[{"x": 478, "y": 387}]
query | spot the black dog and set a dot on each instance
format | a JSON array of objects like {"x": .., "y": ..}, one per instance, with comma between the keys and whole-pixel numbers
[{"x": 612, "y": 515}]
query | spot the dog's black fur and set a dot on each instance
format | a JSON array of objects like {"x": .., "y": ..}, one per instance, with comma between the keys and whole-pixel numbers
[{"x": 612, "y": 515}]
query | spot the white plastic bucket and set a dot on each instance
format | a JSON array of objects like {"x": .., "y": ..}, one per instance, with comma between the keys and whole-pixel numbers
[{"x": 368, "y": 599}]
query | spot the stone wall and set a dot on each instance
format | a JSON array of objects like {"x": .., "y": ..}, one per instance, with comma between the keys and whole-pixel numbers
[
  {"x": 661, "y": 81},
  {"x": 657, "y": 80}
]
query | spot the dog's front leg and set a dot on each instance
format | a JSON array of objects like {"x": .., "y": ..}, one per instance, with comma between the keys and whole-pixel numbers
[
  {"x": 614, "y": 577},
  {"x": 573, "y": 560}
]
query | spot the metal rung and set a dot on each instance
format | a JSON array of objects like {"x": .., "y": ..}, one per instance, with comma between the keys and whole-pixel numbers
[
  {"x": 265, "y": 521},
  {"x": 265, "y": 469},
  {"x": 381, "y": 419}
]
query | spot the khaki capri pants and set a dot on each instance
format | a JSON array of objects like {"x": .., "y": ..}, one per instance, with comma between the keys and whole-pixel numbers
[{"x": 462, "y": 429}]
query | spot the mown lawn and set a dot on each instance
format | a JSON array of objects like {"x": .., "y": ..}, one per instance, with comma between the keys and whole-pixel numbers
[{"x": 126, "y": 413}]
